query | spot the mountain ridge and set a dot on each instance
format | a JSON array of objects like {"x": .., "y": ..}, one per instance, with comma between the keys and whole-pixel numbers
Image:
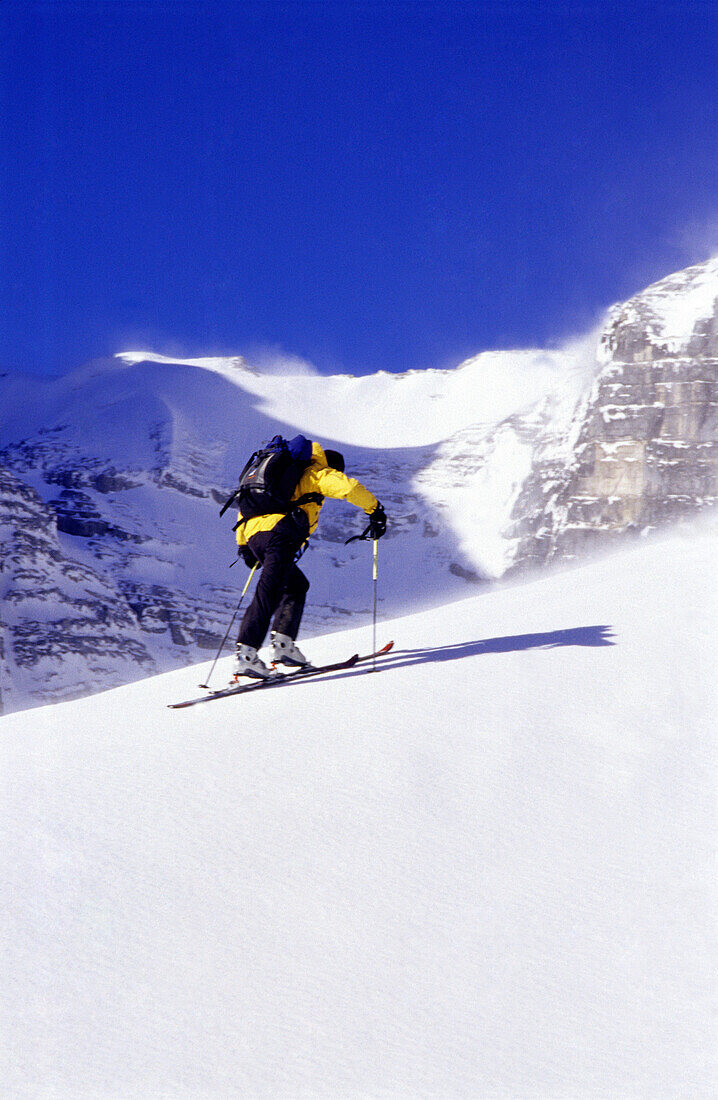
[{"x": 505, "y": 463}]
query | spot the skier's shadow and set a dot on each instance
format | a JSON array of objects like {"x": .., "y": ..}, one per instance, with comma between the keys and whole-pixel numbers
[
  {"x": 512, "y": 643},
  {"x": 592, "y": 636}
]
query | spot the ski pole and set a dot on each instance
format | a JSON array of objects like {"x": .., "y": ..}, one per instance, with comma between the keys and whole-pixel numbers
[
  {"x": 236, "y": 612},
  {"x": 376, "y": 546}
]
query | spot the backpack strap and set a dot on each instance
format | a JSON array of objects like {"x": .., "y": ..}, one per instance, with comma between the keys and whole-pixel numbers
[
  {"x": 307, "y": 498},
  {"x": 228, "y": 503}
]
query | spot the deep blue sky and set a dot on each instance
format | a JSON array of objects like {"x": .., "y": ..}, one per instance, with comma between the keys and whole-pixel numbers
[{"x": 366, "y": 185}]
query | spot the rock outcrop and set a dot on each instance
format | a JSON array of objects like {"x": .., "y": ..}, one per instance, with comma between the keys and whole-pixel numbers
[
  {"x": 642, "y": 450},
  {"x": 64, "y": 629}
]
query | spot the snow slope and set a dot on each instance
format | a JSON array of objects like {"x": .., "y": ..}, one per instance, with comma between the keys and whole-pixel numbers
[
  {"x": 414, "y": 409},
  {"x": 484, "y": 871}
]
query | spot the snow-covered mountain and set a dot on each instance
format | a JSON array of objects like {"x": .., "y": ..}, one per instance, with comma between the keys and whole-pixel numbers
[
  {"x": 114, "y": 560},
  {"x": 485, "y": 871}
]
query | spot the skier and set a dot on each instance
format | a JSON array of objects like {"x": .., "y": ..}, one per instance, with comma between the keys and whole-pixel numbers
[{"x": 275, "y": 542}]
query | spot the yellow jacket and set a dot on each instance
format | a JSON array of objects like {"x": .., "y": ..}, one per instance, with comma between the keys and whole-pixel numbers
[{"x": 317, "y": 478}]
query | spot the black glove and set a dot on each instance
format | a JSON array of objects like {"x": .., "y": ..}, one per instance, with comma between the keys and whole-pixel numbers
[
  {"x": 247, "y": 556},
  {"x": 377, "y": 523}
]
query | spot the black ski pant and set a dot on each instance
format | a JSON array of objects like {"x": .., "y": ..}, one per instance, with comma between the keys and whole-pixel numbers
[{"x": 282, "y": 587}]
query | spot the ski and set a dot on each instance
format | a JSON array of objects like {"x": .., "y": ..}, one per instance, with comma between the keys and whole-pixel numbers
[{"x": 283, "y": 678}]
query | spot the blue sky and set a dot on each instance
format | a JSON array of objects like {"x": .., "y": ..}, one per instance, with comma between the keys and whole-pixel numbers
[{"x": 364, "y": 185}]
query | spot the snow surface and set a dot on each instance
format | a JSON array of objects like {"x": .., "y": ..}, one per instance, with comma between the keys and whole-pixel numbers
[
  {"x": 413, "y": 409},
  {"x": 485, "y": 871},
  {"x": 680, "y": 301}
]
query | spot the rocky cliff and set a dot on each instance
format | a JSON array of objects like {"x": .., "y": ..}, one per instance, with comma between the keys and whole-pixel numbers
[{"x": 641, "y": 451}]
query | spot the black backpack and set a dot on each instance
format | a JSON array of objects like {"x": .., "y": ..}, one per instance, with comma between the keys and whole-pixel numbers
[{"x": 270, "y": 477}]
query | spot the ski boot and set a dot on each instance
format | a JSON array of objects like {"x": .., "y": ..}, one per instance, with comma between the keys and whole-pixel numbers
[
  {"x": 286, "y": 652},
  {"x": 249, "y": 663}
]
